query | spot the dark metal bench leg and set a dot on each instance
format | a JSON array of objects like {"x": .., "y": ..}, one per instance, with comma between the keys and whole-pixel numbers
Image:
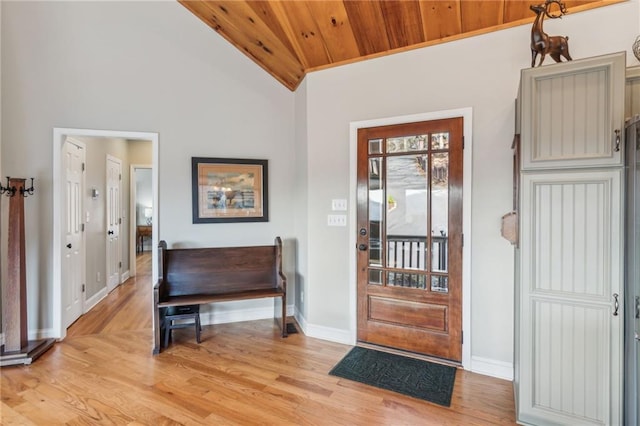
[
  {"x": 198, "y": 328},
  {"x": 167, "y": 332}
]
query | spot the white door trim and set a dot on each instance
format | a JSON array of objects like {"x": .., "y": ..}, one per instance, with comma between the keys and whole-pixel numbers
[
  {"x": 466, "y": 114},
  {"x": 59, "y": 137}
]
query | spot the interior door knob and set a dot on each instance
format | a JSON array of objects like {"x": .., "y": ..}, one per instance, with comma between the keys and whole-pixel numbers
[
  {"x": 69, "y": 245},
  {"x": 362, "y": 247}
]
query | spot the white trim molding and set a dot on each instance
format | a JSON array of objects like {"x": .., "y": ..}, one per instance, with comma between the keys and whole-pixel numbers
[
  {"x": 336, "y": 335},
  {"x": 47, "y": 333},
  {"x": 238, "y": 315},
  {"x": 492, "y": 367},
  {"x": 95, "y": 299}
]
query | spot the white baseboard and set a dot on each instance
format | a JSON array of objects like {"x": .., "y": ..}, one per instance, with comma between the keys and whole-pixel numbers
[
  {"x": 34, "y": 335},
  {"x": 95, "y": 299},
  {"x": 491, "y": 367},
  {"x": 47, "y": 333},
  {"x": 125, "y": 276},
  {"x": 336, "y": 335},
  {"x": 238, "y": 315}
]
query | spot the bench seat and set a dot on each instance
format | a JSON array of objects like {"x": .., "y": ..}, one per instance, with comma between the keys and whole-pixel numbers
[
  {"x": 202, "y": 299},
  {"x": 200, "y": 276}
]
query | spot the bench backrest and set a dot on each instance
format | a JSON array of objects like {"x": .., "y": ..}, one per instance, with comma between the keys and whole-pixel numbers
[{"x": 218, "y": 270}]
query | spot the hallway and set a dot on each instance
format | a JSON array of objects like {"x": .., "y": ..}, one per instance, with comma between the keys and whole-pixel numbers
[{"x": 126, "y": 308}]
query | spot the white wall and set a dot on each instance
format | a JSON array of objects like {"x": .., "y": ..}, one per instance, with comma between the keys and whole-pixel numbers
[
  {"x": 137, "y": 66},
  {"x": 301, "y": 200},
  {"x": 481, "y": 73}
]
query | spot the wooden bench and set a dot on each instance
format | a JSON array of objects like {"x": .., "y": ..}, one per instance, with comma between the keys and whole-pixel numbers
[{"x": 196, "y": 276}]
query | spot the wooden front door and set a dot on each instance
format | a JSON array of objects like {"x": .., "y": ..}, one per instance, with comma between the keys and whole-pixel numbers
[{"x": 409, "y": 242}]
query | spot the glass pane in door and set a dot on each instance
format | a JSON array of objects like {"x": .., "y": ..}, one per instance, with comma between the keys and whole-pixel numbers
[
  {"x": 376, "y": 214},
  {"x": 375, "y": 146},
  {"x": 407, "y": 211},
  {"x": 407, "y": 144},
  {"x": 439, "y": 211},
  {"x": 403, "y": 279},
  {"x": 440, "y": 141}
]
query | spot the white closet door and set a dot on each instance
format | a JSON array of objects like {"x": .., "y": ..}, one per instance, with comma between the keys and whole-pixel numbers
[{"x": 571, "y": 267}]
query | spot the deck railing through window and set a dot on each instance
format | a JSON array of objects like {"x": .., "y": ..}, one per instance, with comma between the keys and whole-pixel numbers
[{"x": 408, "y": 252}]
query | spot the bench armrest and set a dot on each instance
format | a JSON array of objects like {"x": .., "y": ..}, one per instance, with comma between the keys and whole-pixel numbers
[
  {"x": 158, "y": 294},
  {"x": 282, "y": 282}
]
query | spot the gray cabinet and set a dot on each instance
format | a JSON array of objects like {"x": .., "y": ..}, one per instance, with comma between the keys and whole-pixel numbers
[
  {"x": 632, "y": 273},
  {"x": 569, "y": 262},
  {"x": 573, "y": 113}
]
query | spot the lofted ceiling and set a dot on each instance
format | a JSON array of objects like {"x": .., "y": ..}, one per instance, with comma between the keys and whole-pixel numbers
[{"x": 289, "y": 38}]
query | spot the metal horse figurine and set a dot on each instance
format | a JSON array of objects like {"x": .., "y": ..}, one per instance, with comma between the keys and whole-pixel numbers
[{"x": 541, "y": 42}]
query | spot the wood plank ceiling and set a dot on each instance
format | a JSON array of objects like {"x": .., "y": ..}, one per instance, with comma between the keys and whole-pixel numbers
[{"x": 289, "y": 38}]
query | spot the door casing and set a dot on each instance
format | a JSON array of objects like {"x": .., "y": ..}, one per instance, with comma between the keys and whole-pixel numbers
[{"x": 466, "y": 114}]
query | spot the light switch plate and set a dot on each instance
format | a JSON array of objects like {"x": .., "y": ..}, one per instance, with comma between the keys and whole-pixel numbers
[
  {"x": 337, "y": 220},
  {"x": 339, "y": 204}
]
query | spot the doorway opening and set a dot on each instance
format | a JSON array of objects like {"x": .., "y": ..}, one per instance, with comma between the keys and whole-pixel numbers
[
  {"x": 466, "y": 115},
  {"x": 91, "y": 192},
  {"x": 141, "y": 213},
  {"x": 409, "y": 217}
]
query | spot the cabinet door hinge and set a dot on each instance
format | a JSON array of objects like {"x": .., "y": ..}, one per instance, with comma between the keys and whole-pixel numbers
[
  {"x": 461, "y": 337},
  {"x": 83, "y": 289},
  {"x": 82, "y": 227},
  {"x": 463, "y": 142},
  {"x": 83, "y": 167},
  {"x": 120, "y": 265}
]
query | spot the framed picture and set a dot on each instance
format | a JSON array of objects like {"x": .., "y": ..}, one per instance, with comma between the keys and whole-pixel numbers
[{"x": 229, "y": 190}]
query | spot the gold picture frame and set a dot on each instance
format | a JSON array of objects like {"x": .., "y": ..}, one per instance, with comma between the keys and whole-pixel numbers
[{"x": 229, "y": 190}]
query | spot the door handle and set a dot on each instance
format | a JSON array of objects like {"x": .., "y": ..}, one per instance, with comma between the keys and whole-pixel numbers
[
  {"x": 69, "y": 245},
  {"x": 110, "y": 232},
  {"x": 616, "y": 304},
  {"x": 617, "y": 147},
  {"x": 362, "y": 247}
]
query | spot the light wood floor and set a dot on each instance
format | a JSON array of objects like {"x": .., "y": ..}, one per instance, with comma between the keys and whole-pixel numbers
[{"x": 241, "y": 373}]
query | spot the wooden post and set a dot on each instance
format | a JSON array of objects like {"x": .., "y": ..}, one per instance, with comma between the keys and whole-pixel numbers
[
  {"x": 14, "y": 297},
  {"x": 17, "y": 348}
]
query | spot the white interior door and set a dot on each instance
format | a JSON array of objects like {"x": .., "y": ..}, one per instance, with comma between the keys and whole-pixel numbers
[
  {"x": 73, "y": 250},
  {"x": 114, "y": 261}
]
